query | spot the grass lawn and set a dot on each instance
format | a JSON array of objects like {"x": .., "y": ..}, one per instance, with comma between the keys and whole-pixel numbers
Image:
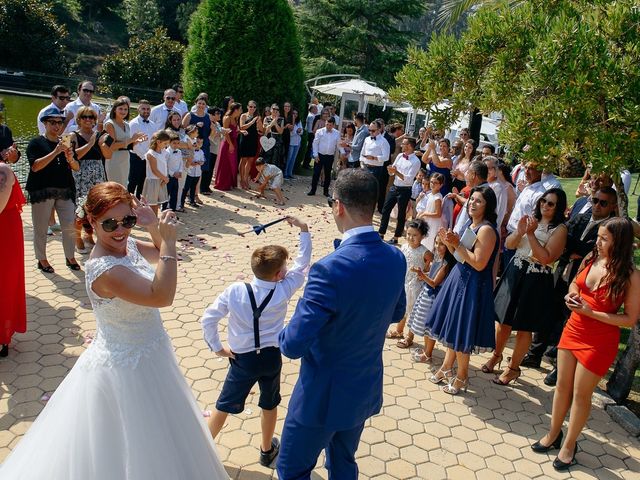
[{"x": 570, "y": 185}]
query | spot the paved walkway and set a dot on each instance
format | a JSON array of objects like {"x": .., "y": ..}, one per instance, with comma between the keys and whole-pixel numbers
[{"x": 421, "y": 432}]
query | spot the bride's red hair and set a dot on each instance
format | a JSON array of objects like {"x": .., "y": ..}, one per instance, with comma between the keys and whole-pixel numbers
[{"x": 104, "y": 196}]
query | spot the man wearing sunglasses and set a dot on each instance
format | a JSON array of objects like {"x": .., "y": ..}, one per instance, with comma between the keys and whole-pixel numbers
[
  {"x": 60, "y": 98},
  {"x": 180, "y": 106},
  {"x": 582, "y": 231},
  {"x": 86, "y": 89},
  {"x": 159, "y": 113},
  {"x": 351, "y": 298}
]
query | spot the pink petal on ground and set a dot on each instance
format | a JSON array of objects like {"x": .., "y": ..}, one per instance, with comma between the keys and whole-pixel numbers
[{"x": 206, "y": 413}]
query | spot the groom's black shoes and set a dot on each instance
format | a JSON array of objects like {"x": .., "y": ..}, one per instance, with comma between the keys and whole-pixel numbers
[{"x": 267, "y": 459}]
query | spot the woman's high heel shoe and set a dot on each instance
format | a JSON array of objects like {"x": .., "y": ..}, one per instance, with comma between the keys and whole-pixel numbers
[
  {"x": 498, "y": 381},
  {"x": 73, "y": 266},
  {"x": 451, "y": 388},
  {"x": 560, "y": 466},
  {"x": 47, "y": 269},
  {"x": 485, "y": 368},
  {"x": 441, "y": 376},
  {"x": 539, "y": 448}
]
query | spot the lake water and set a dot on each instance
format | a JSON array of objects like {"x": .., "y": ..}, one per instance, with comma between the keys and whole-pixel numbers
[{"x": 20, "y": 114}]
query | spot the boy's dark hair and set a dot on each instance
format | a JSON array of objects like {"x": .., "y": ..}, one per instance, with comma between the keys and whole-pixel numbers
[
  {"x": 419, "y": 224},
  {"x": 267, "y": 261},
  {"x": 260, "y": 161}
]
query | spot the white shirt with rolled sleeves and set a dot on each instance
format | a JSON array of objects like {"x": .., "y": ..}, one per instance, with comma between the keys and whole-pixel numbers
[
  {"x": 181, "y": 107},
  {"x": 234, "y": 301},
  {"x": 159, "y": 114},
  {"x": 325, "y": 142},
  {"x": 377, "y": 147},
  {"x": 408, "y": 167},
  {"x": 148, "y": 128},
  {"x": 525, "y": 204}
]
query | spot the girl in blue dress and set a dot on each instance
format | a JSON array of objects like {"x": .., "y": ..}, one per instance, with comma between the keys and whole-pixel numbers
[{"x": 462, "y": 316}]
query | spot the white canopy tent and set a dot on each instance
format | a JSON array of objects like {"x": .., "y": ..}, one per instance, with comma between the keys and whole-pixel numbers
[{"x": 354, "y": 92}]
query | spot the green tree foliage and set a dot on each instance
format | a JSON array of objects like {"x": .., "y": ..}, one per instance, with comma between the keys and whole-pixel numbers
[
  {"x": 565, "y": 74},
  {"x": 33, "y": 39},
  {"x": 246, "y": 49},
  {"x": 365, "y": 37},
  {"x": 142, "y": 17},
  {"x": 153, "y": 64}
]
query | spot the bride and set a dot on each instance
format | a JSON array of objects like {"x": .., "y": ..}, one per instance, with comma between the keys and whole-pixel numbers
[{"x": 124, "y": 411}]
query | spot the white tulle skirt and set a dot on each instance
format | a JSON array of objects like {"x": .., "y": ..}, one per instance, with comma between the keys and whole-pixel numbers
[{"x": 119, "y": 422}]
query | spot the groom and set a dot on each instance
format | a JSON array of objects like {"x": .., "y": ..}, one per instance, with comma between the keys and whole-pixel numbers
[{"x": 338, "y": 330}]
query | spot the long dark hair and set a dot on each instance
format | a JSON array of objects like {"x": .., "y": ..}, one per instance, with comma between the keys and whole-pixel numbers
[
  {"x": 506, "y": 172},
  {"x": 620, "y": 265},
  {"x": 489, "y": 196},
  {"x": 561, "y": 206}
]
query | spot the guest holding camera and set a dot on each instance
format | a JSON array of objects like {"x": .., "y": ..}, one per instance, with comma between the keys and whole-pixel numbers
[{"x": 50, "y": 185}]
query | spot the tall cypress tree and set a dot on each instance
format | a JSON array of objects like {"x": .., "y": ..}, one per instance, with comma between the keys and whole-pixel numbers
[
  {"x": 246, "y": 49},
  {"x": 365, "y": 37}
]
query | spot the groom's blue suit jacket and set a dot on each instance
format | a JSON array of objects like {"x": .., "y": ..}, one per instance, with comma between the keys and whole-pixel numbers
[{"x": 338, "y": 329}]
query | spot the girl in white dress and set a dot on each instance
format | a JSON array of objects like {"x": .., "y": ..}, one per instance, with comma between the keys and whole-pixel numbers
[
  {"x": 417, "y": 257},
  {"x": 124, "y": 411},
  {"x": 429, "y": 208}
]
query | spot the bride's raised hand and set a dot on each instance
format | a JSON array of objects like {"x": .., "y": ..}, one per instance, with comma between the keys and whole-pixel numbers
[
  {"x": 168, "y": 226},
  {"x": 146, "y": 215}
]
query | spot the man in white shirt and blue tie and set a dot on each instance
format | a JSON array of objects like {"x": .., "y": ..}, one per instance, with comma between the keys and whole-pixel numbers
[
  {"x": 404, "y": 169},
  {"x": 325, "y": 144},
  {"x": 375, "y": 152},
  {"x": 137, "y": 162}
]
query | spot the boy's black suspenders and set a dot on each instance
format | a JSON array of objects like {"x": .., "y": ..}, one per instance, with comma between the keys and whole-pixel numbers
[{"x": 257, "y": 312}]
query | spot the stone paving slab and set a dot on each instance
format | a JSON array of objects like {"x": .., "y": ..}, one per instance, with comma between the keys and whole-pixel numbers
[{"x": 421, "y": 432}]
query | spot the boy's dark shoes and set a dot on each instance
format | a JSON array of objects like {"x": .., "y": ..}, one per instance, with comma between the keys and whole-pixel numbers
[{"x": 267, "y": 459}]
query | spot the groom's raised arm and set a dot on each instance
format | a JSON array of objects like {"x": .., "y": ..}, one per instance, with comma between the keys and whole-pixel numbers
[{"x": 314, "y": 310}]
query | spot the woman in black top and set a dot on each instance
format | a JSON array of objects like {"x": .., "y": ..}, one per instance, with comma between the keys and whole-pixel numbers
[{"x": 50, "y": 185}]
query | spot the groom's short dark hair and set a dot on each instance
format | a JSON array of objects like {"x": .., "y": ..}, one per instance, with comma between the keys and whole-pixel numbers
[{"x": 358, "y": 190}]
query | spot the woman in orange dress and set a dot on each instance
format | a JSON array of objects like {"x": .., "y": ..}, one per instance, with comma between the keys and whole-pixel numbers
[
  {"x": 589, "y": 344},
  {"x": 12, "y": 293}
]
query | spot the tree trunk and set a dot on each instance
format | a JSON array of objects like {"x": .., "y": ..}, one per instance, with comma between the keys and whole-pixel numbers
[
  {"x": 621, "y": 380},
  {"x": 623, "y": 200},
  {"x": 475, "y": 124}
]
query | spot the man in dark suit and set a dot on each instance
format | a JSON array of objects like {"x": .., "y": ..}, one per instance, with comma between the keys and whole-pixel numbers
[
  {"x": 581, "y": 238},
  {"x": 338, "y": 329}
]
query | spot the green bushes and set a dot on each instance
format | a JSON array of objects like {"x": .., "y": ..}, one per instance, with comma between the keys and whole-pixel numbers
[
  {"x": 32, "y": 38},
  {"x": 153, "y": 63},
  {"x": 246, "y": 49}
]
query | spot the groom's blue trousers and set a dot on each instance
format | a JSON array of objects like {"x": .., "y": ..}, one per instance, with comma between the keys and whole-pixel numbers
[{"x": 301, "y": 446}]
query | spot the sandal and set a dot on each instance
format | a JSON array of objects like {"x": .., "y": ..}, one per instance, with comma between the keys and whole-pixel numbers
[
  {"x": 47, "y": 269},
  {"x": 451, "y": 389},
  {"x": 441, "y": 376},
  {"x": 404, "y": 343},
  {"x": 504, "y": 383},
  {"x": 394, "y": 334},
  {"x": 420, "y": 357},
  {"x": 485, "y": 368}
]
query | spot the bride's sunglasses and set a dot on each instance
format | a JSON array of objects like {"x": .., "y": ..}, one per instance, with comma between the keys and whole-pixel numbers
[{"x": 109, "y": 225}]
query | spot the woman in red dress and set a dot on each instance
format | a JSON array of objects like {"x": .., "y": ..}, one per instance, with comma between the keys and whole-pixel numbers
[
  {"x": 12, "y": 293},
  {"x": 589, "y": 343},
  {"x": 227, "y": 172}
]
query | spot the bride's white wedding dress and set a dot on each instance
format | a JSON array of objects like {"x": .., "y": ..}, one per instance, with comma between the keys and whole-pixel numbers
[{"x": 124, "y": 411}]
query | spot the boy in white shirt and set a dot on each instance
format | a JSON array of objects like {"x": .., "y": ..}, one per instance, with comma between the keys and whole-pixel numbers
[
  {"x": 174, "y": 170},
  {"x": 256, "y": 313},
  {"x": 194, "y": 172}
]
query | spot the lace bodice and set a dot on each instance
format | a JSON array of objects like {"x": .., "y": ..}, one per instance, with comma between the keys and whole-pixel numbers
[
  {"x": 523, "y": 252},
  {"x": 124, "y": 331}
]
